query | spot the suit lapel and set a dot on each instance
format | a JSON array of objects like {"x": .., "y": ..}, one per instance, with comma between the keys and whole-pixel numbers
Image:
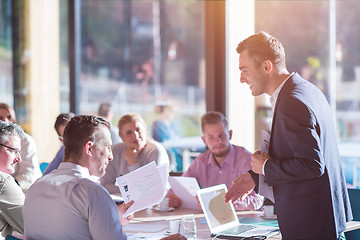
[{"x": 282, "y": 92}]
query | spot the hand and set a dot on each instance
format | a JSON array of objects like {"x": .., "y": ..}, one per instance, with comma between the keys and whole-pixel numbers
[
  {"x": 174, "y": 201},
  {"x": 122, "y": 209},
  {"x": 130, "y": 155},
  {"x": 176, "y": 236},
  {"x": 240, "y": 188},
  {"x": 257, "y": 161}
]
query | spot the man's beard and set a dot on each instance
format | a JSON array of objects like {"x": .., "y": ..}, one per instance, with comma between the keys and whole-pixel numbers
[{"x": 221, "y": 153}]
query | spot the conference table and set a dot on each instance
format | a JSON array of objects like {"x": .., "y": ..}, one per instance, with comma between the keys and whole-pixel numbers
[{"x": 156, "y": 223}]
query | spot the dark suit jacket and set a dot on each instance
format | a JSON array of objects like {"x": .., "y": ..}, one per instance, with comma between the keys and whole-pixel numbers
[{"x": 304, "y": 168}]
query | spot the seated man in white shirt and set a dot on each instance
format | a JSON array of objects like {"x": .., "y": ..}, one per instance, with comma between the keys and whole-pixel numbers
[
  {"x": 66, "y": 203},
  {"x": 11, "y": 195}
]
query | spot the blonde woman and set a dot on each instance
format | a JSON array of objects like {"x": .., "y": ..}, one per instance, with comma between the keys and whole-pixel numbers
[{"x": 135, "y": 151}]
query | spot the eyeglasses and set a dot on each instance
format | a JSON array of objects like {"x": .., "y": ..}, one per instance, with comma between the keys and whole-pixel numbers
[
  {"x": 14, "y": 150},
  {"x": 3, "y": 118}
]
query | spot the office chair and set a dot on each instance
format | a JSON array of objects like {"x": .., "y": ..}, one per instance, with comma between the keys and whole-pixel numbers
[
  {"x": 11, "y": 237},
  {"x": 43, "y": 166},
  {"x": 354, "y": 195}
]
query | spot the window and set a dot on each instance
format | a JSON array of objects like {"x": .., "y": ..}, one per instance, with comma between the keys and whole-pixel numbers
[
  {"x": 6, "y": 78},
  {"x": 136, "y": 54},
  {"x": 305, "y": 36}
]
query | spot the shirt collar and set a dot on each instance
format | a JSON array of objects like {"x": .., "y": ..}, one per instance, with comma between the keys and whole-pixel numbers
[
  {"x": 275, "y": 95},
  {"x": 73, "y": 166}
]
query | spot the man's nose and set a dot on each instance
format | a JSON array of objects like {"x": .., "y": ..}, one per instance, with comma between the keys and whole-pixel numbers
[
  {"x": 17, "y": 158},
  {"x": 218, "y": 140},
  {"x": 242, "y": 78},
  {"x": 111, "y": 156}
]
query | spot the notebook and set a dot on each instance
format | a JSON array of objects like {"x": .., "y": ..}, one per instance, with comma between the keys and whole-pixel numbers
[{"x": 222, "y": 219}]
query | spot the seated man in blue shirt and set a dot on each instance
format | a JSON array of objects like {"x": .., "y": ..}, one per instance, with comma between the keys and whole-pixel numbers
[{"x": 59, "y": 126}]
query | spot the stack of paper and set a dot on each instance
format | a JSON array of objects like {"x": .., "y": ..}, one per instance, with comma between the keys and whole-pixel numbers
[{"x": 145, "y": 185}]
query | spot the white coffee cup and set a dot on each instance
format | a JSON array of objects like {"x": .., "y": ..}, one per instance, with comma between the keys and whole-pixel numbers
[
  {"x": 174, "y": 226},
  {"x": 164, "y": 204},
  {"x": 269, "y": 211}
]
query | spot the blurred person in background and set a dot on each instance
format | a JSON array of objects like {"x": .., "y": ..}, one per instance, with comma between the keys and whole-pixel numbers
[
  {"x": 105, "y": 111},
  {"x": 135, "y": 151},
  {"x": 164, "y": 130},
  {"x": 59, "y": 126},
  {"x": 28, "y": 170}
]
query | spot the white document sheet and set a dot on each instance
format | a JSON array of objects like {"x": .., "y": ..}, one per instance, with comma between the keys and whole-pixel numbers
[
  {"x": 144, "y": 185},
  {"x": 265, "y": 189},
  {"x": 185, "y": 188}
]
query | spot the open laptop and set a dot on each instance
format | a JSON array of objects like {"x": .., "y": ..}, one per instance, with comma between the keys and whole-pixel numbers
[{"x": 222, "y": 219}]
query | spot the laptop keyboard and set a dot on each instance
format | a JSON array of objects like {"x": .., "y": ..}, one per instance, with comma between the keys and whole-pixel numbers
[{"x": 237, "y": 230}]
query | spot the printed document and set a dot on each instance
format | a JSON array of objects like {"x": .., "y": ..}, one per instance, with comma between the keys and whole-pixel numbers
[
  {"x": 265, "y": 189},
  {"x": 185, "y": 188},
  {"x": 145, "y": 185}
]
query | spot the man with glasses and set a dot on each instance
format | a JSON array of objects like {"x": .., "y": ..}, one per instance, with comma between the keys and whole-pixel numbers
[
  {"x": 28, "y": 170},
  {"x": 11, "y": 195}
]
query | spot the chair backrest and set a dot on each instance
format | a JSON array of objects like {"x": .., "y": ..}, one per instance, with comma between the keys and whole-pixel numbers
[
  {"x": 10, "y": 237},
  {"x": 354, "y": 195},
  {"x": 43, "y": 166}
]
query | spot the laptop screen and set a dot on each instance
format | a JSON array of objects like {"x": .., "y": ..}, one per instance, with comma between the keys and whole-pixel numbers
[{"x": 217, "y": 212}]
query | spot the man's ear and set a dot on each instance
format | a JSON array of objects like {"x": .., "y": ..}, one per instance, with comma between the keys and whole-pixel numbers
[
  {"x": 230, "y": 134},
  {"x": 268, "y": 66},
  {"x": 203, "y": 138},
  {"x": 88, "y": 148}
]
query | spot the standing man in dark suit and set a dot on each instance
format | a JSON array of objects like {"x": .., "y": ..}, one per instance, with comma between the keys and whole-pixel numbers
[{"x": 303, "y": 163}]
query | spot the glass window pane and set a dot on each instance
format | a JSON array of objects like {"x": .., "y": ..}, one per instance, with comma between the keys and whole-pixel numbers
[
  {"x": 348, "y": 87},
  {"x": 305, "y": 36},
  {"x": 64, "y": 86},
  {"x": 6, "y": 78},
  {"x": 136, "y": 54}
]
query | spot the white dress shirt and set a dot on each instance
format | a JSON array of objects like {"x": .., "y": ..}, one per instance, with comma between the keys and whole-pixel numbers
[{"x": 66, "y": 204}]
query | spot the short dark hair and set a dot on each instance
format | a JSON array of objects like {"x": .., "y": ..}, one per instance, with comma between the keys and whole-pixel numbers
[
  {"x": 8, "y": 129},
  {"x": 81, "y": 129},
  {"x": 261, "y": 47},
  {"x": 62, "y": 119},
  {"x": 212, "y": 117},
  {"x": 104, "y": 109}
]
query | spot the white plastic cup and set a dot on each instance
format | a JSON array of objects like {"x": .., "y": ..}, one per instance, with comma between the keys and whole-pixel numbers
[{"x": 269, "y": 211}]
